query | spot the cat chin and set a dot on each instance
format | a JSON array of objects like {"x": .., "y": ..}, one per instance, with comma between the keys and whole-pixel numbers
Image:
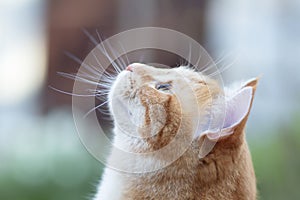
[{"x": 122, "y": 81}]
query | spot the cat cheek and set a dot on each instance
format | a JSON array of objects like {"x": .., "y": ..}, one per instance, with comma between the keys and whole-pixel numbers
[{"x": 155, "y": 120}]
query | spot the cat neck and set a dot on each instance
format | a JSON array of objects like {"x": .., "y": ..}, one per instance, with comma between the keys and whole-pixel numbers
[{"x": 220, "y": 175}]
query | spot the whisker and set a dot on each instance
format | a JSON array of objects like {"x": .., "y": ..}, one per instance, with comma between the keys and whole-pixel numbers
[
  {"x": 119, "y": 60},
  {"x": 85, "y": 80},
  {"x": 95, "y": 108},
  {"x": 105, "y": 79},
  {"x": 104, "y": 110},
  {"x": 182, "y": 62},
  {"x": 102, "y": 48},
  {"x": 93, "y": 40},
  {"x": 222, "y": 69},
  {"x": 113, "y": 63},
  {"x": 90, "y": 68},
  {"x": 87, "y": 76},
  {"x": 190, "y": 55},
  {"x": 124, "y": 53},
  {"x": 100, "y": 65},
  {"x": 214, "y": 63},
  {"x": 99, "y": 38},
  {"x": 72, "y": 94},
  {"x": 208, "y": 66},
  {"x": 98, "y": 91},
  {"x": 74, "y": 77},
  {"x": 96, "y": 74},
  {"x": 197, "y": 63},
  {"x": 73, "y": 57}
]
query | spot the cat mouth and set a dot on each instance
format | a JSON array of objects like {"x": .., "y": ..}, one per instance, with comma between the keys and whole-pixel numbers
[{"x": 124, "y": 96}]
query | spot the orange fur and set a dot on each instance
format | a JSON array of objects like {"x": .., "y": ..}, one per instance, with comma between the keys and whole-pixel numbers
[{"x": 225, "y": 173}]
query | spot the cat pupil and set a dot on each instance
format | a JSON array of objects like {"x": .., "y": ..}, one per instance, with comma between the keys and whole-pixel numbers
[{"x": 165, "y": 86}]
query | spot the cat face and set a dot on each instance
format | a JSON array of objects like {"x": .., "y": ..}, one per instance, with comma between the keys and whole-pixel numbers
[
  {"x": 149, "y": 102},
  {"x": 155, "y": 108},
  {"x": 154, "y": 105}
]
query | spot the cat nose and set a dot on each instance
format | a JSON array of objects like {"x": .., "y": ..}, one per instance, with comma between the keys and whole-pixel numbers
[
  {"x": 129, "y": 68},
  {"x": 134, "y": 66}
]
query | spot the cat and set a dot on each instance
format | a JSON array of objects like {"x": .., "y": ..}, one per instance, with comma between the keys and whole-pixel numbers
[{"x": 155, "y": 107}]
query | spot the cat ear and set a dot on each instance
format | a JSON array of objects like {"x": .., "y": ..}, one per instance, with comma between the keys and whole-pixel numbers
[{"x": 237, "y": 107}]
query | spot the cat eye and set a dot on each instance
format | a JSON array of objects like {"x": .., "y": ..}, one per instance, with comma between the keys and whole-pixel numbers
[{"x": 163, "y": 87}]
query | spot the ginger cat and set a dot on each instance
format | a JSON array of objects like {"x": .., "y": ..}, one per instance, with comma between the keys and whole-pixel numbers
[{"x": 155, "y": 109}]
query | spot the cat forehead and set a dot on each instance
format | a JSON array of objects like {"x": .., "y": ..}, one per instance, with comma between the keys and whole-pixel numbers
[{"x": 167, "y": 73}]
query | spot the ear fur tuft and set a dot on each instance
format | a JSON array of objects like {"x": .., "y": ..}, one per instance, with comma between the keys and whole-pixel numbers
[{"x": 237, "y": 108}]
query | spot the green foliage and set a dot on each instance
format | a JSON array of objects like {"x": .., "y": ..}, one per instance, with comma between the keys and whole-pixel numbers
[
  {"x": 277, "y": 163},
  {"x": 71, "y": 173},
  {"x": 65, "y": 178}
]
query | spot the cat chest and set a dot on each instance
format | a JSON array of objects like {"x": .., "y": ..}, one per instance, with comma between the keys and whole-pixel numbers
[{"x": 160, "y": 187}]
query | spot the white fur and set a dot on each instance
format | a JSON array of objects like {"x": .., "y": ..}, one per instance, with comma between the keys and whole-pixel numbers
[{"x": 112, "y": 187}]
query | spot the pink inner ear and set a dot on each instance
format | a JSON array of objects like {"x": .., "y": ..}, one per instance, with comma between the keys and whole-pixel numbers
[{"x": 237, "y": 107}]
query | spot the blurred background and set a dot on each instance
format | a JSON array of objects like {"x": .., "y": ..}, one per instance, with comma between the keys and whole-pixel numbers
[{"x": 41, "y": 156}]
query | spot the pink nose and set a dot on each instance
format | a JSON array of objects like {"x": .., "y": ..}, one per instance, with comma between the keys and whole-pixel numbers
[{"x": 129, "y": 68}]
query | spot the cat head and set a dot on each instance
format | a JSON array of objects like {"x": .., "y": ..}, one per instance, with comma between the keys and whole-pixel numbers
[{"x": 151, "y": 105}]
